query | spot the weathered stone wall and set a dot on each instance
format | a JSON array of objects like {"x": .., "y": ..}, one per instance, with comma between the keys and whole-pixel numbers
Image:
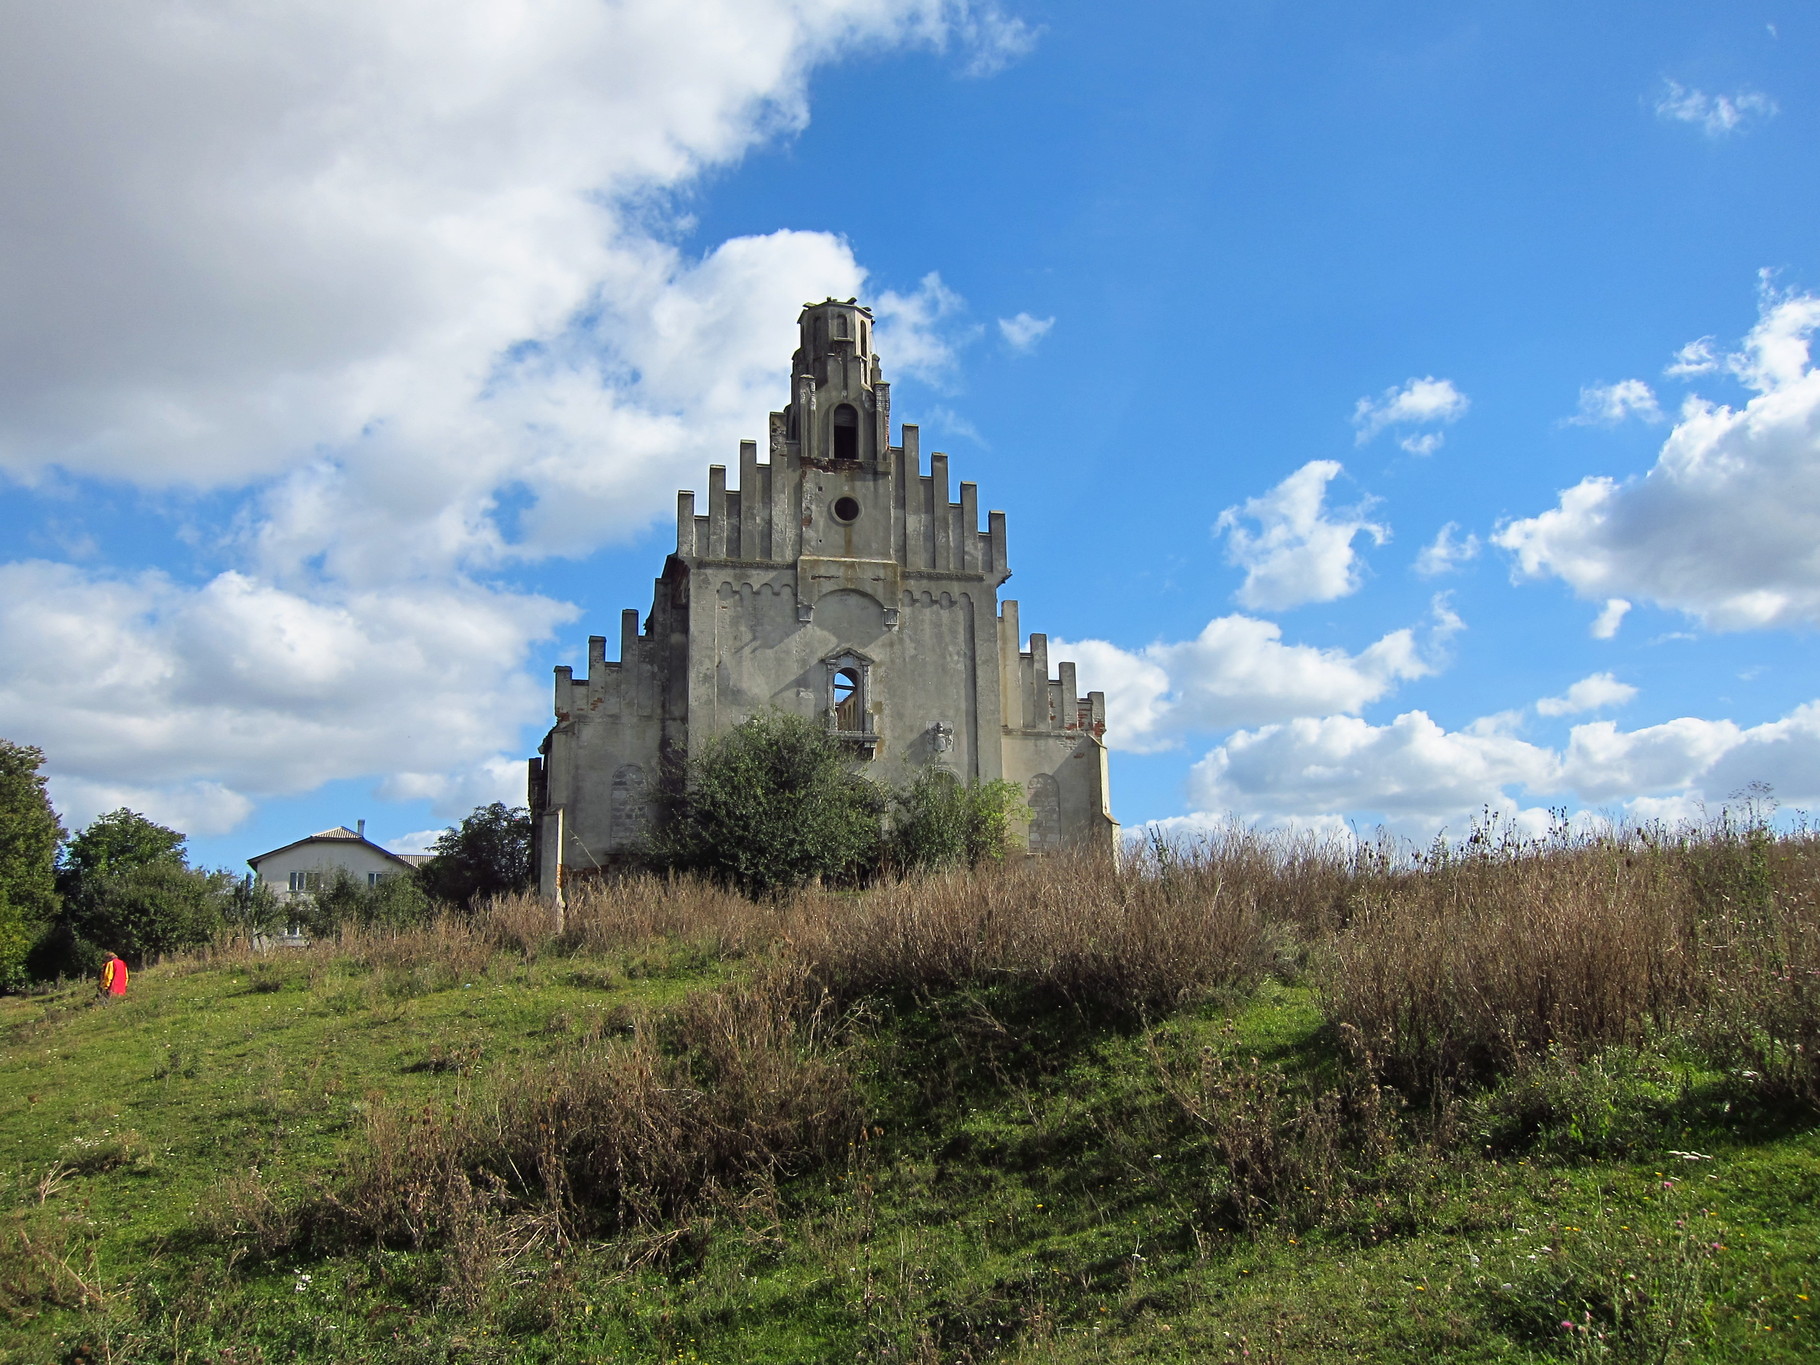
[{"x": 836, "y": 558}]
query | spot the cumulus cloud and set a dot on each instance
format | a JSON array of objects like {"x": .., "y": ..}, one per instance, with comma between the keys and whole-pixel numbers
[
  {"x": 1606, "y": 405},
  {"x": 1300, "y": 550},
  {"x": 1420, "y": 776},
  {"x": 244, "y": 237},
  {"x": 1022, "y": 332},
  {"x": 1239, "y": 671},
  {"x": 400, "y": 278},
  {"x": 1593, "y": 693},
  {"x": 193, "y": 702},
  {"x": 1714, "y": 115},
  {"x": 916, "y": 334},
  {"x": 1726, "y": 525},
  {"x": 1447, "y": 552},
  {"x": 1611, "y": 616},
  {"x": 1420, "y": 402}
]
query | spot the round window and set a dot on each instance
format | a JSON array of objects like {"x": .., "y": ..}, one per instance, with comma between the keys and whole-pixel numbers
[{"x": 846, "y": 509}]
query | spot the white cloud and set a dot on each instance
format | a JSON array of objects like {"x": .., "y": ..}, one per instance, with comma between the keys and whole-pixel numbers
[
  {"x": 1726, "y": 524},
  {"x": 1420, "y": 402},
  {"x": 1446, "y": 552},
  {"x": 1022, "y": 332},
  {"x": 1301, "y": 551},
  {"x": 1238, "y": 671},
  {"x": 1410, "y": 768},
  {"x": 991, "y": 39},
  {"x": 194, "y": 701},
  {"x": 239, "y": 238},
  {"x": 1699, "y": 356},
  {"x": 1610, "y": 617},
  {"x": 1421, "y": 776},
  {"x": 382, "y": 268},
  {"x": 1714, "y": 115},
  {"x": 915, "y": 332},
  {"x": 196, "y": 808},
  {"x": 419, "y": 841},
  {"x": 1606, "y": 405},
  {"x": 1425, "y": 444},
  {"x": 1592, "y": 693}
]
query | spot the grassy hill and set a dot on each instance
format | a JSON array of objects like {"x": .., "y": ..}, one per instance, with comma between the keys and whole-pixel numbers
[{"x": 1274, "y": 1102}]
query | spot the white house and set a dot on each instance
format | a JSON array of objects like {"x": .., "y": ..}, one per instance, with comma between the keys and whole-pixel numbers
[{"x": 310, "y": 864}]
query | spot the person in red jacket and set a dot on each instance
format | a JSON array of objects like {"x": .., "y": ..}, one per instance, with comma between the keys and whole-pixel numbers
[{"x": 113, "y": 976}]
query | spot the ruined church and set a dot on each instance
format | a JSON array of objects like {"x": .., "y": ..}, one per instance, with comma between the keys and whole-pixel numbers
[{"x": 837, "y": 581}]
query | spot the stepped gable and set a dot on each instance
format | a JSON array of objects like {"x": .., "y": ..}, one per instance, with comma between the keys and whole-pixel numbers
[{"x": 839, "y": 579}]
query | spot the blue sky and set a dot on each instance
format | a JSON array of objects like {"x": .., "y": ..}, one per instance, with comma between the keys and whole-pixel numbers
[{"x": 1342, "y": 371}]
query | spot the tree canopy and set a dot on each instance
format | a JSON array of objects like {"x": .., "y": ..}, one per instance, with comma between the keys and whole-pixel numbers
[
  {"x": 772, "y": 805},
  {"x": 29, "y": 836},
  {"x": 487, "y": 854},
  {"x": 127, "y": 888}
]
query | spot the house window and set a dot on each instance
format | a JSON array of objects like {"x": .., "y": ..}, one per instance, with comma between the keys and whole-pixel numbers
[
  {"x": 306, "y": 881},
  {"x": 374, "y": 878},
  {"x": 846, "y": 433}
]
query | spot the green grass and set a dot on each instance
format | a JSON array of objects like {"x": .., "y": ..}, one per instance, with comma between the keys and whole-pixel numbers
[{"x": 1025, "y": 1188}]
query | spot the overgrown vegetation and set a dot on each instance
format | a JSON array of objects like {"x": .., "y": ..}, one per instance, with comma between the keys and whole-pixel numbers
[
  {"x": 1270, "y": 1098},
  {"x": 775, "y": 805},
  {"x": 768, "y": 807},
  {"x": 487, "y": 854},
  {"x": 29, "y": 837}
]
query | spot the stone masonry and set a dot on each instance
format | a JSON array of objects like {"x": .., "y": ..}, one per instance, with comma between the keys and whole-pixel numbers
[{"x": 837, "y": 581}]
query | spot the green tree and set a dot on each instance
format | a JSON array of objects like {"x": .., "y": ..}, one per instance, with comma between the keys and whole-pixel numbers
[
  {"x": 937, "y": 821},
  {"x": 144, "y": 912},
  {"x": 117, "y": 842},
  {"x": 29, "y": 835},
  {"x": 127, "y": 888},
  {"x": 770, "y": 806},
  {"x": 487, "y": 854},
  {"x": 394, "y": 902}
]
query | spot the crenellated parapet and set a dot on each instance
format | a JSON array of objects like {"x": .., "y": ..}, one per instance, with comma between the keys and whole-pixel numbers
[{"x": 841, "y": 580}]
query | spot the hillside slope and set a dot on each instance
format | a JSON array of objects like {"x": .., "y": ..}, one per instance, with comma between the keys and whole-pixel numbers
[{"x": 912, "y": 1126}]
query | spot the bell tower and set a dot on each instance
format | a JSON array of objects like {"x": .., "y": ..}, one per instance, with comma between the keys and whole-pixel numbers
[
  {"x": 839, "y": 411},
  {"x": 838, "y": 582}
]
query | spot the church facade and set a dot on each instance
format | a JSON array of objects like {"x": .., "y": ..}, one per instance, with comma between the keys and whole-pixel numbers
[{"x": 837, "y": 581}]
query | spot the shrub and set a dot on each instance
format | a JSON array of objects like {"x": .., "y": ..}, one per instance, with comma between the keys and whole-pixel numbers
[
  {"x": 392, "y": 903},
  {"x": 770, "y": 806},
  {"x": 1070, "y": 926},
  {"x": 937, "y": 821}
]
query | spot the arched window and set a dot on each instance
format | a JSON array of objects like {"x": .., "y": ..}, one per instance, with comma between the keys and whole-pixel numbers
[
  {"x": 847, "y": 701},
  {"x": 840, "y": 324},
  {"x": 846, "y": 433}
]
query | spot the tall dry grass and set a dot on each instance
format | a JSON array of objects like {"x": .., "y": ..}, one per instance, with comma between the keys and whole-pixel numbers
[
  {"x": 1467, "y": 965},
  {"x": 704, "y": 1109},
  {"x": 1077, "y": 928},
  {"x": 1446, "y": 966}
]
